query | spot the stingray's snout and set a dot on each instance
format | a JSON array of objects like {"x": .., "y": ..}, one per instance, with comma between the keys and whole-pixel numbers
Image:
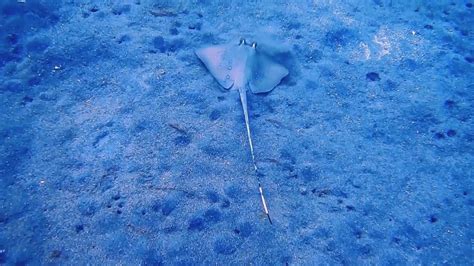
[{"x": 244, "y": 42}]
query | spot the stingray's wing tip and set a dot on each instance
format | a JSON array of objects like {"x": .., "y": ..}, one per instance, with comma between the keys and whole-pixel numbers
[
  {"x": 285, "y": 72},
  {"x": 200, "y": 53},
  {"x": 269, "y": 83},
  {"x": 211, "y": 57}
]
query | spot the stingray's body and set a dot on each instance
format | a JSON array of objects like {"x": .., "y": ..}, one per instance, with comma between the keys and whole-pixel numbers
[{"x": 241, "y": 66}]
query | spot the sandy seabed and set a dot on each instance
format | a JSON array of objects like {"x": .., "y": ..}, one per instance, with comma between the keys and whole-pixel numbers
[{"x": 118, "y": 147}]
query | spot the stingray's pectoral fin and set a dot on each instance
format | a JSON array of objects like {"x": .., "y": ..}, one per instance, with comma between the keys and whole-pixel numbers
[
  {"x": 266, "y": 74},
  {"x": 213, "y": 58}
]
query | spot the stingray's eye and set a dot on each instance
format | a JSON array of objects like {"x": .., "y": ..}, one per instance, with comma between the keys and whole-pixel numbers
[
  {"x": 242, "y": 41},
  {"x": 254, "y": 45}
]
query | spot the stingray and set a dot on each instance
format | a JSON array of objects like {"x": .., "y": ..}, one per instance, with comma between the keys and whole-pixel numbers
[{"x": 242, "y": 66}]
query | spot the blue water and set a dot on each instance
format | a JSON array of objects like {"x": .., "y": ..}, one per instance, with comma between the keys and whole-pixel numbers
[{"x": 118, "y": 147}]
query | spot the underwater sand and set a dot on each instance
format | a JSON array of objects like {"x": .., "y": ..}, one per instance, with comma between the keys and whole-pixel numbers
[{"x": 118, "y": 147}]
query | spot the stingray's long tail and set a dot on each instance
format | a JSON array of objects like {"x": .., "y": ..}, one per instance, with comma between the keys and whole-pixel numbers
[{"x": 243, "y": 100}]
